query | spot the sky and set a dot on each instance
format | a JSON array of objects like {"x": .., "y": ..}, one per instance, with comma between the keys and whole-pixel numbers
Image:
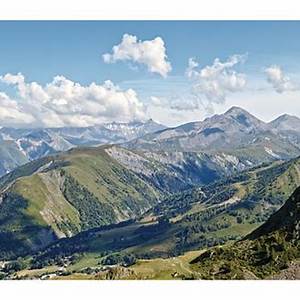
[{"x": 69, "y": 73}]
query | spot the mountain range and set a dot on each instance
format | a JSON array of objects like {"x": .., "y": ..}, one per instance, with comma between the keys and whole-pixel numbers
[
  {"x": 119, "y": 193},
  {"x": 30, "y": 144},
  {"x": 235, "y": 132}
]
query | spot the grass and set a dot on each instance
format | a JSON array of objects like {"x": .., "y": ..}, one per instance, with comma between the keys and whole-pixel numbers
[
  {"x": 100, "y": 174},
  {"x": 165, "y": 269},
  {"x": 36, "y": 272},
  {"x": 87, "y": 260},
  {"x": 155, "y": 269},
  {"x": 105, "y": 180},
  {"x": 32, "y": 189},
  {"x": 237, "y": 229},
  {"x": 46, "y": 204}
]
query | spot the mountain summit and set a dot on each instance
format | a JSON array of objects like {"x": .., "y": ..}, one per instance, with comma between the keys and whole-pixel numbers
[
  {"x": 234, "y": 132},
  {"x": 245, "y": 118},
  {"x": 286, "y": 122},
  {"x": 236, "y": 110},
  {"x": 288, "y": 127}
]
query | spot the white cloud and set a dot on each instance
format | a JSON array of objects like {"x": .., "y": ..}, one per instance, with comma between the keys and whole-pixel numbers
[
  {"x": 280, "y": 82},
  {"x": 192, "y": 65},
  {"x": 156, "y": 101},
  {"x": 11, "y": 114},
  {"x": 176, "y": 102},
  {"x": 151, "y": 53},
  {"x": 213, "y": 83},
  {"x": 63, "y": 102}
]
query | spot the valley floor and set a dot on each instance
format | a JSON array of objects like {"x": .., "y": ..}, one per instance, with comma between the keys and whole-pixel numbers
[
  {"x": 161, "y": 269},
  {"x": 175, "y": 268}
]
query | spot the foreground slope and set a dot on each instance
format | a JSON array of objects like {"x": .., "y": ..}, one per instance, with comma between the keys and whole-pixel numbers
[{"x": 268, "y": 250}]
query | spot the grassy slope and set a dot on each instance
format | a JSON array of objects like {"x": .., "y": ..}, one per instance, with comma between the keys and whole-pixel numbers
[
  {"x": 266, "y": 251},
  {"x": 103, "y": 188},
  {"x": 112, "y": 183},
  {"x": 46, "y": 203}
]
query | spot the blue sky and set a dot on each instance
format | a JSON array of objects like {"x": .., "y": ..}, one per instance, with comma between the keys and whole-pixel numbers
[{"x": 42, "y": 50}]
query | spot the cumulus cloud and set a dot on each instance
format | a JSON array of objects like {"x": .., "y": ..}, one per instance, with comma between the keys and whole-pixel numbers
[
  {"x": 11, "y": 114},
  {"x": 177, "y": 102},
  {"x": 213, "y": 83},
  {"x": 280, "y": 82},
  {"x": 192, "y": 65},
  {"x": 150, "y": 53},
  {"x": 157, "y": 101},
  {"x": 63, "y": 102}
]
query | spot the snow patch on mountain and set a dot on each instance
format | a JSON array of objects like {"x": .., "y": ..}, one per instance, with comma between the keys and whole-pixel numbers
[
  {"x": 223, "y": 159},
  {"x": 270, "y": 151}
]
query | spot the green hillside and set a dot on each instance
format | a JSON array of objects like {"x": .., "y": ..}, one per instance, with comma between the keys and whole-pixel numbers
[
  {"x": 193, "y": 220},
  {"x": 223, "y": 211},
  {"x": 270, "y": 251},
  {"x": 84, "y": 188},
  {"x": 68, "y": 193},
  {"x": 84, "y": 194},
  {"x": 267, "y": 251}
]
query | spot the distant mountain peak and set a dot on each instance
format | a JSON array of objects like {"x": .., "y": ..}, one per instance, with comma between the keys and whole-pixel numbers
[
  {"x": 285, "y": 117},
  {"x": 234, "y": 110},
  {"x": 286, "y": 122},
  {"x": 151, "y": 121},
  {"x": 243, "y": 117}
]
